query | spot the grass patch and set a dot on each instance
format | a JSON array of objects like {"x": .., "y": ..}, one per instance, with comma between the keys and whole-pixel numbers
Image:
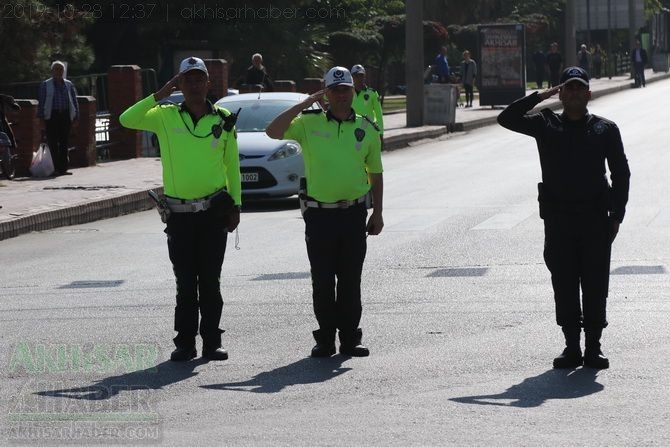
[{"x": 394, "y": 104}]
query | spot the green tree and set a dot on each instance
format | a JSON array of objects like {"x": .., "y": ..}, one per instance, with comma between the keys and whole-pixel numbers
[{"x": 33, "y": 33}]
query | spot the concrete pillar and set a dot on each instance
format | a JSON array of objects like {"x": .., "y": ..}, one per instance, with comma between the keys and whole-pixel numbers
[
  {"x": 124, "y": 88},
  {"x": 83, "y": 138},
  {"x": 218, "y": 78},
  {"x": 414, "y": 65},
  {"x": 27, "y": 129}
]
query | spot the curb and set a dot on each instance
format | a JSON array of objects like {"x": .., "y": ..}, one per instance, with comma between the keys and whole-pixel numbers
[
  {"x": 140, "y": 201},
  {"x": 79, "y": 214}
]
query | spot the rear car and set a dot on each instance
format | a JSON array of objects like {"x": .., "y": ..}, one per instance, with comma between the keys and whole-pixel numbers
[{"x": 269, "y": 168}]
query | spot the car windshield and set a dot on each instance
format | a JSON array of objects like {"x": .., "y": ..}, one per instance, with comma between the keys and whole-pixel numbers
[{"x": 256, "y": 115}]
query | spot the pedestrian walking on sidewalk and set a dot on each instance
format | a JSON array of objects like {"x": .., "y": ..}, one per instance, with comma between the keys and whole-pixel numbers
[
  {"x": 59, "y": 110},
  {"x": 257, "y": 74},
  {"x": 468, "y": 76},
  {"x": 639, "y": 60},
  {"x": 442, "y": 69},
  {"x": 581, "y": 210},
  {"x": 201, "y": 180},
  {"x": 540, "y": 62},
  {"x": 343, "y": 166},
  {"x": 598, "y": 59},
  {"x": 554, "y": 64},
  {"x": 584, "y": 58}
]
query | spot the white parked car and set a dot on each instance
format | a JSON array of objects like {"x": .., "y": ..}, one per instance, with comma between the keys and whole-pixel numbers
[{"x": 269, "y": 168}]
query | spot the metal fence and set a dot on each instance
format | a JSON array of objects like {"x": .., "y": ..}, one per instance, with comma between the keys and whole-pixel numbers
[
  {"x": 94, "y": 84},
  {"x": 621, "y": 63}
]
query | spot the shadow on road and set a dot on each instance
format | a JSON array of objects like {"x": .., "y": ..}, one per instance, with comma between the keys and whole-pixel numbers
[
  {"x": 305, "y": 371},
  {"x": 155, "y": 378},
  {"x": 535, "y": 391}
]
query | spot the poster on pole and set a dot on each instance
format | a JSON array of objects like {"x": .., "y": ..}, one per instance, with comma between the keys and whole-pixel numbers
[{"x": 502, "y": 74}]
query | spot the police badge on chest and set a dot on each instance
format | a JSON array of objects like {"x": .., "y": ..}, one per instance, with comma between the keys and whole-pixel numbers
[{"x": 360, "y": 135}]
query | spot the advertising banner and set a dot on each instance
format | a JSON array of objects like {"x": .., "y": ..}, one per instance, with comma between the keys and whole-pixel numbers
[{"x": 502, "y": 74}]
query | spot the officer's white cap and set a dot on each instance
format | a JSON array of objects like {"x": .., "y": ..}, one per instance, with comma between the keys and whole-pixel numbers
[
  {"x": 192, "y": 63},
  {"x": 358, "y": 68},
  {"x": 338, "y": 76}
]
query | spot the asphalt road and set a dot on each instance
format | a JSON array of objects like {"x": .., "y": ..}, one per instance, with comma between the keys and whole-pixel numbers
[{"x": 458, "y": 315}]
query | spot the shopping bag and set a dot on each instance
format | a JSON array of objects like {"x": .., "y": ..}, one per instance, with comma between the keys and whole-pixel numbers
[{"x": 42, "y": 164}]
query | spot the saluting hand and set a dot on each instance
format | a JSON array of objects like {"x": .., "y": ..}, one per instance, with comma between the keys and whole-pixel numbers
[
  {"x": 314, "y": 97},
  {"x": 550, "y": 92},
  {"x": 169, "y": 87}
]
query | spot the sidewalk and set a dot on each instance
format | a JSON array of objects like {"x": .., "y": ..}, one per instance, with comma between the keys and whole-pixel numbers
[{"x": 114, "y": 188}]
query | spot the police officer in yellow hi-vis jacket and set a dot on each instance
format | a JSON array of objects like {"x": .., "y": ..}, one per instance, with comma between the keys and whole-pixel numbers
[
  {"x": 366, "y": 99},
  {"x": 201, "y": 178},
  {"x": 343, "y": 169}
]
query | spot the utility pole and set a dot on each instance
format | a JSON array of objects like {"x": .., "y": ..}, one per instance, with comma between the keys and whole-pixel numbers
[
  {"x": 588, "y": 23},
  {"x": 611, "y": 67},
  {"x": 414, "y": 62},
  {"x": 631, "y": 24},
  {"x": 570, "y": 50}
]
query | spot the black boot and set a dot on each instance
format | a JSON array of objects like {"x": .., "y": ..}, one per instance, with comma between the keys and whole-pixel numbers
[
  {"x": 211, "y": 348},
  {"x": 185, "y": 348},
  {"x": 350, "y": 344},
  {"x": 593, "y": 356},
  {"x": 571, "y": 357},
  {"x": 325, "y": 343}
]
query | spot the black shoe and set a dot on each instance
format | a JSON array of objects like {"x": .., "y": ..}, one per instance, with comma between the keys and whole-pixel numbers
[
  {"x": 323, "y": 350},
  {"x": 183, "y": 354},
  {"x": 350, "y": 343},
  {"x": 354, "y": 350},
  {"x": 594, "y": 358},
  {"x": 215, "y": 354},
  {"x": 568, "y": 359},
  {"x": 325, "y": 343}
]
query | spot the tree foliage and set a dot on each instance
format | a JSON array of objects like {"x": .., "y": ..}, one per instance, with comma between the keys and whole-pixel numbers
[{"x": 33, "y": 33}]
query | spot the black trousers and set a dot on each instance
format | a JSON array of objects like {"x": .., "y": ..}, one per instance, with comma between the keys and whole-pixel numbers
[
  {"x": 638, "y": 74},
  {"x": 336, "y": 247},
  {"x": 58, "y": 132},
  {"x": 197, "y": 244},
  {"x": 539, "y": 76},
  {"x": 577, "y": 251},
  {"x": 469, "y": 93}
]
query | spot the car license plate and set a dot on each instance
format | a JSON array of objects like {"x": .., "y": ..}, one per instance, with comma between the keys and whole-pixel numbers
[{"x": 249, "y": 177}]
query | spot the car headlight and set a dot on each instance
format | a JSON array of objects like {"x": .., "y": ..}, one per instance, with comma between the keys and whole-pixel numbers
[{"x": 286, "y": 151}]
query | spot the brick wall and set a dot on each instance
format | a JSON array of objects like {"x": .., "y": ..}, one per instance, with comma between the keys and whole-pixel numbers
[
  {"x": 218, "y": 78},
  {"x": 284, "y": 86},
  {"x": 82, "y": 136},
  {"x": 124, "y": 88},
  {"x": 27, "y": 129}
]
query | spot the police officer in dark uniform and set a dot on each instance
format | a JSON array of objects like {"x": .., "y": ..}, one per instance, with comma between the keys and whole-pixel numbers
[{"x": 581, "y": 210}]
